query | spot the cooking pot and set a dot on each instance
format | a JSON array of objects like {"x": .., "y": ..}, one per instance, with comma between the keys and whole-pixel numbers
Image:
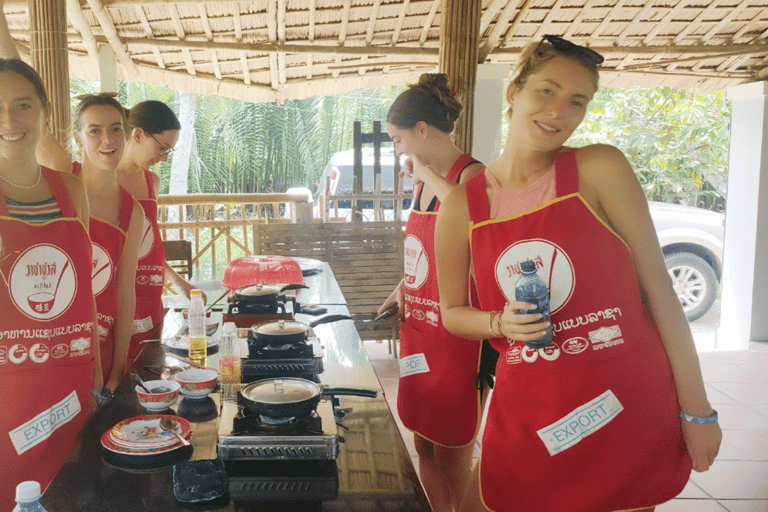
[
  {"x": 286, "y": 332},
  {"x": 290, "y": 396},
  {"x": 261, "y": 298}
]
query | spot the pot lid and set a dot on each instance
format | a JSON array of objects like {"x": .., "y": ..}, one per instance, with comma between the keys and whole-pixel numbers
[
  {"x": 281, "y": 391},
  {"x": 281, "y": 327},
  {"x": 259, "y": 290}
]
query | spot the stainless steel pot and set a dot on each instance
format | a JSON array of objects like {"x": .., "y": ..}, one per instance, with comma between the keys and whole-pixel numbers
[{"x": 290, "y": 396}]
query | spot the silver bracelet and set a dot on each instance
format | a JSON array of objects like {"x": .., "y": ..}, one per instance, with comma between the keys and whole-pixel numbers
[{"x": 699, "y": 420}]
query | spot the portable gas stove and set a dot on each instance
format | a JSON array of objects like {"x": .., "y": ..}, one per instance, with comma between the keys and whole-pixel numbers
[
  {"x": 296, "y": 360},
  {"x": 246, "y": 436}
]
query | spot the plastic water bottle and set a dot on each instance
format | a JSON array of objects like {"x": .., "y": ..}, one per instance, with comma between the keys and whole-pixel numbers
[
  {"x": 532, "y": 289},
  {"x": 198, "y": 347},
  {"x": 229, "y": 361},
  {"x": 28, "y": 497}
]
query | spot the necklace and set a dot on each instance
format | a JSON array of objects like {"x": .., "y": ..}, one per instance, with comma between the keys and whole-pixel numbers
[{"x": 25, "y": 187}]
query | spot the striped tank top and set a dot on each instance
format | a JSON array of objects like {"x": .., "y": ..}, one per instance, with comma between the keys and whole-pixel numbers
[{"x": 38, "y": 211}]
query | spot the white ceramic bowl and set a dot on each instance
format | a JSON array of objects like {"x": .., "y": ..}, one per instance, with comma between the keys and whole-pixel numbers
[
  {"x": 158, "y": 401},
  {"x": 197, "y": 382}
]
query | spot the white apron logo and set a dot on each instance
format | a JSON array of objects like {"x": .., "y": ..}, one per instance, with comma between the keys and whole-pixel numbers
[
  {"x": 553, "y": 264},
  {"x": 583, "y": 421},
  {"x": 148, "y": 240},
  {"x": 413, "y": 364},
  {"x": 416, "y": 263},
  {"x": 40, "y": 428},
  {"x": 605, "y": 337},
  {"x": 42, "y": 282},
  {"x": 101, "y": 273}
]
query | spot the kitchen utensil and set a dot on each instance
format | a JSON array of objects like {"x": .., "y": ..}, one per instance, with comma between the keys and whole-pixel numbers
[
  {"x": 137, "y": 380},
  {"x": 171, "y": 425},
  {"x": 286, "y": 332},
  {"x": 391, "y": 311},
  {"x": 217, "y": 300},
  {"x": 291, "y": 396}
]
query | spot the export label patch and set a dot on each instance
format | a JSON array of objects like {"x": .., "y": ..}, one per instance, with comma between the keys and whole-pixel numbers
[
  {"x": 583, "y": 421},
  {"x": 44, "y": 424},
  {"x": 413, "y": 364}
]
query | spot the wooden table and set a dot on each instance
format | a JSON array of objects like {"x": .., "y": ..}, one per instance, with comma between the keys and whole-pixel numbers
[{"x": 375, "y": 469}]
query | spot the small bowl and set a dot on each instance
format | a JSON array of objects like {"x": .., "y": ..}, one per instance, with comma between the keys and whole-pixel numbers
[
  {"x": 197, "y": 382},
  {"x": 211, "y": 327},
  {"x": 158, "y": 401}
]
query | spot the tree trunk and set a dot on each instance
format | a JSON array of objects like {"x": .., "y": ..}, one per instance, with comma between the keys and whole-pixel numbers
[{"x": 179, "y": 180}]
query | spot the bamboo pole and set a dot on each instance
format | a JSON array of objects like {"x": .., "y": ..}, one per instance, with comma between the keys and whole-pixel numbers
[
  {"x": 48, "y": 49},
  {"x": 459, "y": 53}
]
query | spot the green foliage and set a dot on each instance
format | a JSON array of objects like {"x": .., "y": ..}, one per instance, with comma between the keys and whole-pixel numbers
[{"x": 676, "y": 140}]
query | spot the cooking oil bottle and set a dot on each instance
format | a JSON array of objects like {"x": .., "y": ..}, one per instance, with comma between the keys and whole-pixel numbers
[{"x": 198, "y": 348}]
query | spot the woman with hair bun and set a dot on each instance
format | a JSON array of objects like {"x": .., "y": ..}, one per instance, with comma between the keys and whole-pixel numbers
[
  {"x": 153, "y": 131},
  {"x": 599, "y": 404},
  {"x": 438, "y": 397}
]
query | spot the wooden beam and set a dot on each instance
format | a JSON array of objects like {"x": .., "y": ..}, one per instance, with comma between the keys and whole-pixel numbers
[
  {"x": 490, "y": 13},
  {"x": 342, "y": 32},
  {"x": 150, "y": 35},
  {"x": 757, "y": 48},
  {"x": 498, "y": 30},
  {"x": 311, "y": 36},
  {"x": 110, "y": 32},
  {"x": 281, "y": 12},
  {"x": 209, "y": 37},
  {"x": 428, "y": 22},
  {"x": 76, "y": 17}
]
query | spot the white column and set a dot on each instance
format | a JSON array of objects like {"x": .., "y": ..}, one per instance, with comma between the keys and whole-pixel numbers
[
  {"x": 744, "y": 310},
  {"x": 107, "y": 69},
  {"x": 489, "y": 101}
]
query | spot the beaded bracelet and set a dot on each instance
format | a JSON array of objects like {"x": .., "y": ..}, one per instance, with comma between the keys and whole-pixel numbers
[{"x": 699, "y": 420}]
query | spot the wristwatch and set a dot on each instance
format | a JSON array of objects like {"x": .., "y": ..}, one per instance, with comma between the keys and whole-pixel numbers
[{"x": 102, "y": 396}]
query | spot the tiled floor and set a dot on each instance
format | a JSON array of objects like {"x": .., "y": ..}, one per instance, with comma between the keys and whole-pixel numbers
[{"x": 737, "y": 385}]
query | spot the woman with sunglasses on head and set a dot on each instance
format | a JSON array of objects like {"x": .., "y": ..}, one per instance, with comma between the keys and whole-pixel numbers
[
  {"x": 420, "y": 122},
  {"x": 48, "y": 348},
  {"x": 612, "y": 413},
  {"x": 153, "y": 130}
]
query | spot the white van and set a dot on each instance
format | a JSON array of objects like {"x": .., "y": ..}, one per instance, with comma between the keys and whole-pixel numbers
[{"x": 341, "y": 173}]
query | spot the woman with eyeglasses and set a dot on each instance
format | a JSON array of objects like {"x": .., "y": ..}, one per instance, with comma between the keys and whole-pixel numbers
[
  {"x": 444, "y": 373},
  {"x": 153, "y": 131},
  {"x": 612, "y": 414}
]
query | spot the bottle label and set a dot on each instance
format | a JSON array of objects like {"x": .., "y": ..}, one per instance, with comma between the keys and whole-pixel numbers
[
  {"x": 581, "y": 422},
  {"x": 413, "y": 364},
  {"x": 40, "y": 428}
]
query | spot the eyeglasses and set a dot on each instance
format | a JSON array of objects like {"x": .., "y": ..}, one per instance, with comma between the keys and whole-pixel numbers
[
  {"x": 164, "y": 148},
  {"x": 569, "y": 49}
]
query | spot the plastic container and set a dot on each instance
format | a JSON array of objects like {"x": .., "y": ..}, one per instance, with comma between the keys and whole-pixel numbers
[
  {"x": 28, "y": 496},
  {"x": 229, "y": 361},
  {"x": 532, "y": 289},
  {"x": 198, "y": 347}
]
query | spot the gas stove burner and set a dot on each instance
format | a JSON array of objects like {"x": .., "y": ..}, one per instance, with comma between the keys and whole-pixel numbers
[
  {"x": 251, "y": 308},
  {"x": 243, "y": 435},
  {"x": 305, "y": 480}
]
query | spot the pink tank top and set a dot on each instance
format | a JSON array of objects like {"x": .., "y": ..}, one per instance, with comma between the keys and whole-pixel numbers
[{"x": 507, "y": 202}]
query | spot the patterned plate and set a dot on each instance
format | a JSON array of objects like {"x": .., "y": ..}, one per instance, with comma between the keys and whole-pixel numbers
[
  {"x": 107, "y": 441},
  {"x": 144, "y": 432}
]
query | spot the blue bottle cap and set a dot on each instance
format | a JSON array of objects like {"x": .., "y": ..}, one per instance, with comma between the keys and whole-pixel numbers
[{"x": 528, "y": 266}]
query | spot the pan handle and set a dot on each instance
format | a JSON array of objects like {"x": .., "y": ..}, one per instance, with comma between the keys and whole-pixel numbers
[
  {"x": 293, "y": 287},
  {"x": 328, "y": 319},
  {"x": 368, "y": 393}
]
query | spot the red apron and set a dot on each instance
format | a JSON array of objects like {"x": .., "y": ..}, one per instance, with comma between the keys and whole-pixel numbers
[
  {"x": 45, "y": 341},
  {"x": 438, "y": 371},
  {"x": 150, "y": 275},
  {"x": 108, "y": 242},
  {"x": 591, "y": 422}
]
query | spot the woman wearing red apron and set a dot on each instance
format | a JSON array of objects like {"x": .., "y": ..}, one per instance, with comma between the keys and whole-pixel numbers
[
  {"x": 153, "y": 130},
  {"x": 612, "y": 413},
  {"x": 47, "y": 339},
  {"x": 438, "y": 371},
  {"x": 108, "y": 245}
]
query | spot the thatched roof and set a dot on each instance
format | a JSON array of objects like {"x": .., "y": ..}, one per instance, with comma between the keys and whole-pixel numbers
[{"x": 267, "y": 50}]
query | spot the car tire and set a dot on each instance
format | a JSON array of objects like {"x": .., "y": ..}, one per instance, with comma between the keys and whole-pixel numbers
[{"x": 694, "y": 281}]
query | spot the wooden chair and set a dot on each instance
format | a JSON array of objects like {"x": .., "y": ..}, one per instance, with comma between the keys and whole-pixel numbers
[{"x": 178, "y": 253}]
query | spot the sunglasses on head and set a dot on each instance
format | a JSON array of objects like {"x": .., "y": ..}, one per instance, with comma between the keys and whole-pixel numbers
[{"x": 569, "y": 49}]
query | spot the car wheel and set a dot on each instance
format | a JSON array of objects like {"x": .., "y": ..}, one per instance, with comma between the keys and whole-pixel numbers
[{"x": 695, "y": 282}]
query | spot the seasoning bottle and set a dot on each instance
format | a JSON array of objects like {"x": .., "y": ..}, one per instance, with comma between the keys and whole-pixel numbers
[
  {"x": 28, "y": 497},
  {"x": 198, "y": 347},
  {"x": 532, "y": 289},
  {"x": 229, "y": 361}
]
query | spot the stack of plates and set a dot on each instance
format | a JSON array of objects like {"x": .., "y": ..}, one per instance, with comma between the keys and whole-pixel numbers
[{"x": 142, "y": 436}]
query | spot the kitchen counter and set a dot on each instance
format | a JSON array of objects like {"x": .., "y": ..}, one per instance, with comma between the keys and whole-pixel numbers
[{"x": 374, "y": 468}]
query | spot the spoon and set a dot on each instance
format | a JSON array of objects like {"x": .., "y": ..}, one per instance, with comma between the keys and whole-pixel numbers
[
  {"x": 137, "y": 380},
  {"x": 170, "y": 425}
]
